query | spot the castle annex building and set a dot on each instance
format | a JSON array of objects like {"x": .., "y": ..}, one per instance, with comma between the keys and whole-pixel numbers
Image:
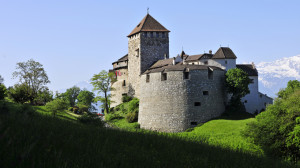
[{"x": 179, "y": 92}]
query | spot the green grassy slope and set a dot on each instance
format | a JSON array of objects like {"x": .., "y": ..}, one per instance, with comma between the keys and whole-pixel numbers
[{"x": 36, "y": 140}]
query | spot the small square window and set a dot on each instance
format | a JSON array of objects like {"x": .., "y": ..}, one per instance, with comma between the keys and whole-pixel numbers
[
  {"x": 124, "y": 83},
  {"x": 186, "y": 75},
  {"x": 151, "y": 34},
  {"x": 205, "y": 62},
  {"x": 157, "y": 34},
  {"x": 147, "y": 78},
  {"x": 225, "y": 62},
  {"x": 197, "y": 104},
  {"x": 193, "y": 123},
  {"x": 205, "y": 93},
  {"x": 251, "y": 80},
  {"x": 246, "y": 101},
  {"x": 163, "y": 76}
]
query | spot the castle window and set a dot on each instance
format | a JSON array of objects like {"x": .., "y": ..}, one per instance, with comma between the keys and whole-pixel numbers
[
  {"x": 151, "y": 34},
  {"x": 147, "y": 78},
  {"x": 186, "y": 75},
  {"x": 210, "y": 74},
  {"x": 163, "y": 76},
  {"x": 205, "y": 93},
  {"x": 260, "y": 96},
  {"x": 157, "y": 34},
  {"x": 193, "y": 123},
  {"x": 246, "y": 101},
  {"x": 197, "y": 104},
  {"x": 163, "y": 35},
  {"x": 265, "y": 104},
  {"x": 137, "y": 52},
  {"x": 251, "y": 80},
  {"x": 124, "y": 83},
  {"x": 225, "y": 62},
  {"x": 145, "y": 34},
  {"x": 205, "y": 62}
]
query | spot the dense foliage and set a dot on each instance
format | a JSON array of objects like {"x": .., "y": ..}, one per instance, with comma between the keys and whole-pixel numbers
[
  {"x": 57, "y": 105},
  {"x": 32, "y": 75},
  {"x": 277, "y": 129},
  {"x": 2, "y": 91},
  {"x": 86, "y": 98},
  {"x": 71, "y": 95},
  {"x": 237, "y": 82}
]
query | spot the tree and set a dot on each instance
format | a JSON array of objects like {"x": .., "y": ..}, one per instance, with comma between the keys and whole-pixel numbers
[
  {"x": 57, "y": 105},
  {"x": 237, "y": 82},
  {"x": 19, "y": 93},
  {"x": 32, "y": 75},
  {"x": 71, "y": 95},
  {"x": 277, "y": 129},
  {"x": 2, "y": 89},
  {"x": 1, "y": 80},
  {"x": 86, "y": 98},
  {"x": 102, "y": 83},
  {"x": 291, "y": 87},
  {"x": 44, "y": 96}
]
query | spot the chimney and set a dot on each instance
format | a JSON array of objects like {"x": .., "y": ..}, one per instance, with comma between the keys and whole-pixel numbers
[
  {"x": 174, "y": 61},
  {"x": 210, "y": 51},
  {"x": 253, "y": 65}
]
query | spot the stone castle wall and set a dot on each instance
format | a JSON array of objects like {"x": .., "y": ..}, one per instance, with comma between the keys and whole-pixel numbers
[
  {"x": 143, "y": 50},
  {"x": 169, "y": 106},
  {"x": 119, "y": 89}
]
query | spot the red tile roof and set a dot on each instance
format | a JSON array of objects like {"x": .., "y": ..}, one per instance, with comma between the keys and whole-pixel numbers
[{"x": 148, "y": 24}]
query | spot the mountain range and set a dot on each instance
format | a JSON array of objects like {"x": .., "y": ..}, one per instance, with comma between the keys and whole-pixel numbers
[{"x": 275, "y": 75}]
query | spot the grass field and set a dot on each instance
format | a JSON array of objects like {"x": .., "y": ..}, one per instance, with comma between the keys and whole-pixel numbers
[{"x": 30, "y": 139}]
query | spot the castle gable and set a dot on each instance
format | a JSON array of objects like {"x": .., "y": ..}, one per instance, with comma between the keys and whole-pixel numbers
[
  {"x": 148, "y": 24},
  {"x": 224, "y": 53}
]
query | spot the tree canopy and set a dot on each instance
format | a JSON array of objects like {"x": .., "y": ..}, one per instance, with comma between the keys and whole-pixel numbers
[
  {"x": 277, "y": 129},
  {"x": 86, "y": 97},
  {"x": 71, "y": 95},
  {"x": 32, "y": 75},
  {"x": 237, "y": 82},
  {"x": 102, "y": 83}
]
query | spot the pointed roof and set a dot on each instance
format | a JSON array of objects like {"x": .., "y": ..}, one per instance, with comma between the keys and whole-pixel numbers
[
  {"x": 224, "y": 53},
  {"x": 148, "y": 24}
]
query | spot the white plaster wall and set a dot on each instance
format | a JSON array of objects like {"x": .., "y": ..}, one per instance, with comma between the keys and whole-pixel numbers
[
  {"x": 231, "y": 63},
  {"x": 251, "y": 100}
]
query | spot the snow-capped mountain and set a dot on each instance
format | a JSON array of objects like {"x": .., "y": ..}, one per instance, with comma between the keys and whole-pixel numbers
[{"x": 274, "y": 75}]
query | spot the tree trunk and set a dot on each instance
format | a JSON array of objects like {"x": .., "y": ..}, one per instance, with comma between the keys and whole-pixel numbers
[{"x": 106, "y": 104}]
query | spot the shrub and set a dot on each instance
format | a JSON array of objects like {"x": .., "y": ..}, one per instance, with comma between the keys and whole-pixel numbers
[
  {"x": 133, "y": 105},
  {"x": 132, "y": 117},
  {"x": 91, "y": 119},
  {"x": 2, "y": 91},
  {"x": 112, "y": 116},
  {"x": 57, "y": 105},
  {"x": 126, "y": 98},
  {"x": 3, "y": 107},
  {"x": 83, "y": 108},
  {"x": 70, "y": 109},
  {"x": 27, "y": 109},
  {"x": 277, "y": 129},
  {"x": 75, "y": 109}
]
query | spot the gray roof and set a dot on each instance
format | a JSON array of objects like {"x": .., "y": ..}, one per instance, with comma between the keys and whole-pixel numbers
[
  {"x": 224, "y": 53},
  {"x": 198, "y": 57},
  {"x": 122, "y": 59},
  {"x": 248, "y": 68},
  {"x": 178, "y": 67}
]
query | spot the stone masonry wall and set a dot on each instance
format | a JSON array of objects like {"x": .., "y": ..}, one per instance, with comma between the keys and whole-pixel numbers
[
  {"x": 169, "y": 106},
  {"x": 143, "y": 51},
  {"x": 119, "y": 89}
]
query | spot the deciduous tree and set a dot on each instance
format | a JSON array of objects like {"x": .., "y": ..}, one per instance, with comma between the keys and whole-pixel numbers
[
  {"x": 32, "y": 75},
  {"x": 102, "y": 83},
  {"x": 71, "y": 95}
]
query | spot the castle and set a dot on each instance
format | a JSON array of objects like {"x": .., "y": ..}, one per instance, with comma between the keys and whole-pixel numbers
[{"x": 180, "y": 92}]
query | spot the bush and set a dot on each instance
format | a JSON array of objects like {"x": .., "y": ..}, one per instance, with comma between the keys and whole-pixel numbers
[
  {"x": 27, "y": 109},
  {"x": 82, "y": 108},
  {"x": 133, "y": 105},
  {"x": 112, "y": 116},
  {"x": 277, "y": 129},
  {"x": 70, "y": 109},
  {"x": 91, "y": 119},
  {"x": 126, "y": 98},
  {"x": 3, "y": 107},
  {"x": 132, "y": 117},
  {"x": 57, "y": 105},
  {"x": 2, "y": 91}
]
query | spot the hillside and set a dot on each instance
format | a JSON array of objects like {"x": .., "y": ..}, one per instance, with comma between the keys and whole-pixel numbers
[{"x": 30, "y": 139}]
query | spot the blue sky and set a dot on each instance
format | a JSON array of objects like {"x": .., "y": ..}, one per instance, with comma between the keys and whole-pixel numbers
[{"x": 76, "y": 39}]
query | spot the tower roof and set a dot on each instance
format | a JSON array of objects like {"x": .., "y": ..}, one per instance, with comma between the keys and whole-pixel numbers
[
  {"x": 148, "y": 24},
  {"x": 224, "y": 52}
]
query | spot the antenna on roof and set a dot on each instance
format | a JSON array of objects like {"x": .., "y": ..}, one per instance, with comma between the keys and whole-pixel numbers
[{"x": 147, "y": 10}]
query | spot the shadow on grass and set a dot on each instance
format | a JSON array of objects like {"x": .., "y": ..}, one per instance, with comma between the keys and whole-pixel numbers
[
  {"x": 44, "y": 141},
  {"x": 236, "y": 116}
]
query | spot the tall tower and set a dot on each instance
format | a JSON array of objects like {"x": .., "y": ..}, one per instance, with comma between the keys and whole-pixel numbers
[{"x": 147, "y": 43}]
